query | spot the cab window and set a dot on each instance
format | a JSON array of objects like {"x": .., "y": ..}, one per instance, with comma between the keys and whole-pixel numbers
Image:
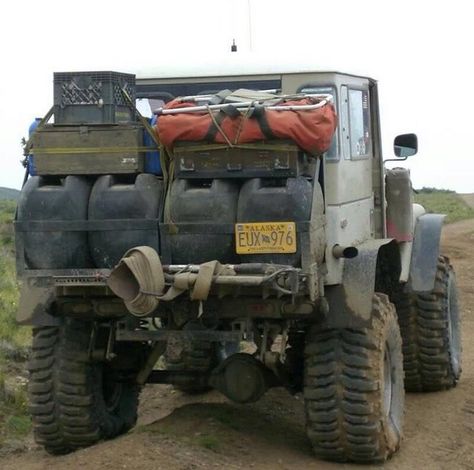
[{"x": 359, "y": 124}]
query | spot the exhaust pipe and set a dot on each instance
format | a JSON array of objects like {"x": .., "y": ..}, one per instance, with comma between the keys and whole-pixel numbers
[{"x": 340, "y": 251}]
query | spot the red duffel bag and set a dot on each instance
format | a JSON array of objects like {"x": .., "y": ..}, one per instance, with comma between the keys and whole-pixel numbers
[{"x": 311, "y": 129}]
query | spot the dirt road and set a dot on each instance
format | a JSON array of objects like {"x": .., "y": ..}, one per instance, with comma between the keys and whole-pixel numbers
[
  {"x": 178, "y": 432},
  {"x": 469, "y": 198}
]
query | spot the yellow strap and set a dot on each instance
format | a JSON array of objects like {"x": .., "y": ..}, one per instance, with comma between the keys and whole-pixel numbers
[{"x": 76, "y": 150}]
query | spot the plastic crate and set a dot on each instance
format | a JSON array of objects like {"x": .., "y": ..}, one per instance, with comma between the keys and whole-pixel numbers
[{"x": 93, "y": 97}]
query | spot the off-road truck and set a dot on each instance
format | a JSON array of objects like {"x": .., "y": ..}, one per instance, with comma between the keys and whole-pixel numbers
[{"x": 238, "y": 267}]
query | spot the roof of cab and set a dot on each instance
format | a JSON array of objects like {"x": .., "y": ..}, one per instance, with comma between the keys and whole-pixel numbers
[{"x": 235, "y": 64}]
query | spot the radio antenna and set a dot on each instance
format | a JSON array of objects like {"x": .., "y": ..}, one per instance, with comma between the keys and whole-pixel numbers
[{"x": 249, "y": 14}]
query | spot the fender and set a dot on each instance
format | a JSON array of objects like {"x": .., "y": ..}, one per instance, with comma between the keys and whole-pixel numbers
[
  {"x": 425, "y": 252},
  {"x": 350, "y": 303}
]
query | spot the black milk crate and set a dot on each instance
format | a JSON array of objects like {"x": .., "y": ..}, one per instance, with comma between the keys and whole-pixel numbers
[{"x": 93, "y": 97}]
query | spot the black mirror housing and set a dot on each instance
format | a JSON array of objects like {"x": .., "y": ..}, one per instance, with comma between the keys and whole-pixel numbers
[{"x": 405, "y": 145}]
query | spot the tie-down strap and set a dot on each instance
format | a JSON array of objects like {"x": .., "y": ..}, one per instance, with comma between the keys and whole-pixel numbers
[{"x": 139, "y": 280}]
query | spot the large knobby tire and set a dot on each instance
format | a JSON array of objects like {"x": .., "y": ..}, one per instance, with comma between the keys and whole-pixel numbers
[
  {"x": 74, "y": 402},
  {"x": 353, "y": 390},
  {"x": 431, "y": 332}
]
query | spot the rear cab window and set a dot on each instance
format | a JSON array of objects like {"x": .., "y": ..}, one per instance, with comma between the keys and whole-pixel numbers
[{"x": 359, "y": 124}]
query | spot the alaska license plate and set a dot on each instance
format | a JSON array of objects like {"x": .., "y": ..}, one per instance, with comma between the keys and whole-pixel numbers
[{"x": 265, "y": 237}]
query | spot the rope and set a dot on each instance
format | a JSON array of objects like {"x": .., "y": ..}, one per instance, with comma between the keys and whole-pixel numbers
[
  {"x": 167, "y": 208},
  {"x": 29, "y": 144},
  {"x": 243, "y": 118},
  {"x": 151, "y": 132}
]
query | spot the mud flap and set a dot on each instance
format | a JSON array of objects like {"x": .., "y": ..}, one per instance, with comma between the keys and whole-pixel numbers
[
  {"x": 35, "y": 303},
  {"x": 424, "y": 256},
  {"x": 350, "y": 303}
]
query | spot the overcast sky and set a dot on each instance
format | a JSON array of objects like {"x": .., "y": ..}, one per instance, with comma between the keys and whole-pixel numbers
[{"x": 421, "y": 53}]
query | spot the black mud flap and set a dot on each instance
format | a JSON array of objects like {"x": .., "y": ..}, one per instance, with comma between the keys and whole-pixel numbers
[
  {"x": 350, "y": 303},
  {"x": 35, "y": 303},
  {"x": 425, "y": 252}
]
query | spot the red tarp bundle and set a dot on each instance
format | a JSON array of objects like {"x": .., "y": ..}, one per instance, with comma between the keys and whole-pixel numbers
[{"x": 311, "y": 129}]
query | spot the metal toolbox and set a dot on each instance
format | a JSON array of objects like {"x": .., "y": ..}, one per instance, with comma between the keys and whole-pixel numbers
[
  {"x": 258, "y": 160},
  {"x": 88, "y": 150}
]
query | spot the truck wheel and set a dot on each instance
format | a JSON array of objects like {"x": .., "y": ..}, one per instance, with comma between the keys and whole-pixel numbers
[
  {"x": 75, "y": 402},
  {"x": 431, "y": 331},
  {"x": 353, "y": 390}
]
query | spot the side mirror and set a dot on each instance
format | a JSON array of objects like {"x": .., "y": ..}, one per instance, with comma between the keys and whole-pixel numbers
[{"x": 405, "y": 145}]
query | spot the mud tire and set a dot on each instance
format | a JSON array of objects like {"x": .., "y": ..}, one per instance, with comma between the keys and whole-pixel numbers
[
  {"x": 74, "y": 402},
  {"x": 430, "y": 325},
  {"x": 353, "y": 389}
]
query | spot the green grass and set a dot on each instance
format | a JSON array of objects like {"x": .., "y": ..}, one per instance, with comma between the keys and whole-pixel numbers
[
  {"x": 15, "y": 422},
  {"x": 208, "y": 441},
  {"x": 444, "y": 202},
  {"x": 7, "y": 213},
  {"x": 173, "y": 431},
  {"x": 9, "y": 330}
]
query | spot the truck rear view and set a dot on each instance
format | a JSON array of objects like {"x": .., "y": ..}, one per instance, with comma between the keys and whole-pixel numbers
[{"x": 224, "y": 235}]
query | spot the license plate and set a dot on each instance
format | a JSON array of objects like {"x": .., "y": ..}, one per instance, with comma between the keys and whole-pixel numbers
[{"x": 265, "y": 237}]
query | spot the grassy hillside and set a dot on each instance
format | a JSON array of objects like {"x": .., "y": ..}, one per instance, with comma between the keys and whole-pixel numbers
[
  {"x": 469, "y": 198},
  {"x": 444, "y": 202},
  {"x": 8, "y": 286},
  {"x": 14, "y": 419},
  {"x": 9, "y": 193}
]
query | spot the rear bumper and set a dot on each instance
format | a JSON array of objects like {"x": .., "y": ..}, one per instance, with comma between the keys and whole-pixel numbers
[
  {"x": 280, "y": 280},
  {"x": 249, "y": 290}
]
